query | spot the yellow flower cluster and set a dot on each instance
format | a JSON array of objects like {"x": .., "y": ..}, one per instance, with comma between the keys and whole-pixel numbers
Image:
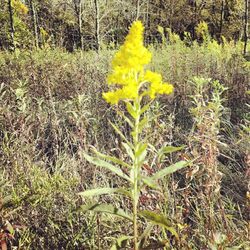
[
  {"x": 202, "y": 29},
  {"x": 128, "y": 70},
  {"x": 19, "y": 7},
  {"x": 157, "y": 87}
]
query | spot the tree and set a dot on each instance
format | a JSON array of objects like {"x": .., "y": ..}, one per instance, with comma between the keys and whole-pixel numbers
[
  {"x": 15, "y": 19},
  {"x": 97, "y": 25},
  {"x": 138, "y": 9},
  {"x": 12, "y": 30},
  {"x": 78, "y": 6},
  {"x": 246, "y": 27},
  {"x": 86, "y": 24},
  {"x": 221, "y": 16},
  {"x": 34, "y": 22}
]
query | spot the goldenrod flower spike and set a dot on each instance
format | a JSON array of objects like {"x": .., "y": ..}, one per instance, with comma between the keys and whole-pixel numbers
[{"x": 128, "y": 70}]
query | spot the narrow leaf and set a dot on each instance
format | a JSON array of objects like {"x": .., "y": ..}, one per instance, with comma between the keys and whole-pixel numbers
[
  {"x": 142, "y": 124},
  {"x": 126, "y": 119},
  {"x": 107, "y": 208},
  {"x": 131, "y": 109},
  {"x": 100, "y": 191},
  {"x": 97, "y": 191},
  {"x": 118, "y": 131},
  {"x": 150, "y": 183},
  {"x": 129, "y": 150},
  {"x": 169, "y": 170},
  {"x": 121, "y": 242},
  {"x": 171, "y": 149},
  {"x": 145, "y": 234},
  {"x": 168, "y": 149},
  {"x": 104, "y": 164},
  {"x": 160, "y": 220},
  {"x": 145, "y": 108},
  {"x": 112, "y": 158},
  {"x": 141, "y": 152}
]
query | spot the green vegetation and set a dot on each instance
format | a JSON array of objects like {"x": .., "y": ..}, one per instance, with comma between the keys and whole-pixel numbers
[{"x": 86, "y": 165}]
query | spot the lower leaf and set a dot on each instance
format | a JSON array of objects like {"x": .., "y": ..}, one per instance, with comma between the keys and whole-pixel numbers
[
  {"x": 159, "y": 219},
  {"x": 107, "y": 208}
]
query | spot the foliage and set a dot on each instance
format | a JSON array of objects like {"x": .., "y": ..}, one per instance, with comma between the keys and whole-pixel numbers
[{"x": 69, "y": 23}]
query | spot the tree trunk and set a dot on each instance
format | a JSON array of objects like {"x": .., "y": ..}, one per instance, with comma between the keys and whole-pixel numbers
[
  {"x": 221, "y": 16},
  {"x": 137, "y": 9},
  {"x": 79, "y": 10},
  {"x": 246, "y": 27},
  {"x": 12, "y": 30},
  {"x": 34, "y": 22},
  {"x": 147, "y": 22},
  {"x": 80, "y": 24},
  {"x": 97, "y": 25}
]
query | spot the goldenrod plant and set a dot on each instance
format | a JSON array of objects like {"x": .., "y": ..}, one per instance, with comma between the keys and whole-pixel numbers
[{"x": 133, "y": 84}]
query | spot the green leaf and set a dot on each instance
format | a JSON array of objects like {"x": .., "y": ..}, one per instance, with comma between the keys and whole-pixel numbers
[
  {"x": 111, "y": 158},
  {"x": 114, "y": 247},
  {"x": 150, "y": 183},
  {"x": 168, "y": 149},
  {"x": 169, "y": 170},
  {"x": 121, "y": 242},
  {"x": 160, "y": 220},
  {"x": 131, "y": 110},
  {"x": 145, "y": 234},
  {"x": 118, "y": 131},
  {"x": 97, "y": 191},
  {"x": 129, "y": 150},
  {"x": 104, "y": 164},
  {"x": 126, "y": 119},
  {"x": 107, "y": 208},
  {"x": 9, "y": 227},
  {"x": 100, "y": 191},
  {"x": 142, "y": 124},
  {"x": 141, "y": 152},
  {"x": 145, "y": 108}
]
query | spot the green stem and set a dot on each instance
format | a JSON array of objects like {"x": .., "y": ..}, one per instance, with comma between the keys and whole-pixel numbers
[{"x": 136, "y": 169}]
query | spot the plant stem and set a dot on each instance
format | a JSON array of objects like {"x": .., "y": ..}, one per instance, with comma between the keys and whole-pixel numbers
[
  {"x": 135, "y": 222},
  {"x": 136, "y": 169}
]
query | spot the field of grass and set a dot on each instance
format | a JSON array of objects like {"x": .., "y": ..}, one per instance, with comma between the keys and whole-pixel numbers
[{"x": 52, "y": 111}]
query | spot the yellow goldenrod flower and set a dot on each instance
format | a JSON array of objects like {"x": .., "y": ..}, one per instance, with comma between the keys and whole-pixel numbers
[
  {"x": 157, "y": 86},
  {"x": 128, "y": 70}
]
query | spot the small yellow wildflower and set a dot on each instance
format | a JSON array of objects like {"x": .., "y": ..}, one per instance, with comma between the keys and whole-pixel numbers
[
  {"x": 19, "y": 7},
  {"x": 160, "y": 29},
  {"x": 202, "y": 29},
  {"x": 128, "y": 70}
]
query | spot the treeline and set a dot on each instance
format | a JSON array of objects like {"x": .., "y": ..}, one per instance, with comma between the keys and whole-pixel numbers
[{"x": 88, "y": 24}]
